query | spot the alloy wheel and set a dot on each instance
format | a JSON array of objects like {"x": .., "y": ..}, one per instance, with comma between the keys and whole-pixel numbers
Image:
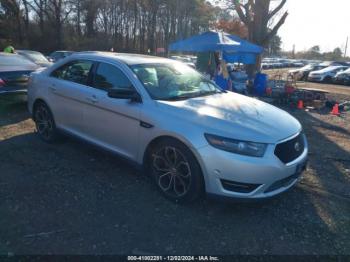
[
  {"x": 172, "y": 171},
  {"x": 44, "y": 122}
]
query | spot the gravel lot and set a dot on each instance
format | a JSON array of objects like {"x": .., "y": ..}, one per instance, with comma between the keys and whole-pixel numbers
[{"x": 71, "y": 198}]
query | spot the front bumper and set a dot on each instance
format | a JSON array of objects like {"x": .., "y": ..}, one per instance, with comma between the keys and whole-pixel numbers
[
  {"x": 13, "y": 90},
  {"x": 236, "y": 176}
]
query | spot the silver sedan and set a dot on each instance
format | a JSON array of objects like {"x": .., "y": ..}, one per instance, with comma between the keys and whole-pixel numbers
[{"x": 188, "y": 134}]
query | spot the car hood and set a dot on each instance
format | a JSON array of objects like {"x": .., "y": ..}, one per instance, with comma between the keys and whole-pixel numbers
[
  {"x": 325, "y": 70},
  {"x": 342, "y": 74},
  {"x": 235, "y": 116},
  {"x": 319, "y": 72}
]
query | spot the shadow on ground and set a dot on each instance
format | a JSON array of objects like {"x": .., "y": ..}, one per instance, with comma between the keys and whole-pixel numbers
[
  {"x": 13, "y": 109},
  {"x": 70, "y": 198}
]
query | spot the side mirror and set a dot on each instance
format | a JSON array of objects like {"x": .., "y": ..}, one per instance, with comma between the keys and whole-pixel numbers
[{"x": 125, "y": 93}]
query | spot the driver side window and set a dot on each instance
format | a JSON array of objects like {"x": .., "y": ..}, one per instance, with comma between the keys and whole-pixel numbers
[
  {"x": 108, "y": 76},
  {"x": 77, "y": 72}
]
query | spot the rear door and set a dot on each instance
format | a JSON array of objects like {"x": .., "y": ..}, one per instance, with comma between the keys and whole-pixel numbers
[
  {"x": 68, "y": 92},
  {"x": 110, "y": 122}
]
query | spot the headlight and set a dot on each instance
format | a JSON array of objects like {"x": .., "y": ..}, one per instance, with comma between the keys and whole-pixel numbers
[{"x": 237, "y": 146}]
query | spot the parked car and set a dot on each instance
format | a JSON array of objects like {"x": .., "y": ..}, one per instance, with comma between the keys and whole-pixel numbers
[
  {"x": 326, "y": 74},
  {"x": 186, "y": 60},
  {"x": 14, "y": 73},
  {"x": 36, "y": 57},
  {"x": 298, "y": 64},
  {"x": 303, "y": 73},
  {"x": 333, "y": 63},
  {"x": 187, "y": 133},
  {"x": 265, "y": 66},
  {"x": 342, "y": 78},
  {"x": 58, "y": 55}
]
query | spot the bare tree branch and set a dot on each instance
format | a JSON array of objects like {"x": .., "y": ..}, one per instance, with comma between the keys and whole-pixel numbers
[
  {"x": 275, "y": 29},
  {"x": 241, "y": 15},
  {"x": 277, "y": 9}
]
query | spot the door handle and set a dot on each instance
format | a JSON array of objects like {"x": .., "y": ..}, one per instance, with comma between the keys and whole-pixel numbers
[
  {"x": 93, "y": 99},
  {"x": 53, "y": 88}
]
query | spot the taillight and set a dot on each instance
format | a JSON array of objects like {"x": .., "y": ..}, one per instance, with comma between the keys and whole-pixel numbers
[{"x": 2, "y": 82}]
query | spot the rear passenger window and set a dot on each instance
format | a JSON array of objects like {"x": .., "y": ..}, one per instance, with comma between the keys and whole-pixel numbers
[
  {"x": 108, "y": 76},
  {"x": 77, "y": 72}
]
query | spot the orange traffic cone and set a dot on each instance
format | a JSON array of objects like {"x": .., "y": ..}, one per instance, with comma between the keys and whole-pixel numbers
[
  {"x": 300, "y": 104},
  {"x": 335, "y": 110}
]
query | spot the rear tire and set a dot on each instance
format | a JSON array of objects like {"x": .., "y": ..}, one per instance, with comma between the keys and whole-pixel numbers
[
  {"x": 45, "y": 123},
  {"x": 175, "y": 171}
]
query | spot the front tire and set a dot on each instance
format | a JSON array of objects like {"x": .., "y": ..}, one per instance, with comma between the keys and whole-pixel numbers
[
  {"x": 175, "y": 171},
  {"x": 45, "y": 123},
  {"x": 327, "y": 80}
]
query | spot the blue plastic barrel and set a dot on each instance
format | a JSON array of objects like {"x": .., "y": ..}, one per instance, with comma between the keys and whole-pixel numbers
[{"x": 260, "y": 84}]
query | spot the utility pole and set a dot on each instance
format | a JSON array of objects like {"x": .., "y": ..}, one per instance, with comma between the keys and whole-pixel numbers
[
  {"x": 293, "y": 52},
  {"x": 346, "y": 47}
]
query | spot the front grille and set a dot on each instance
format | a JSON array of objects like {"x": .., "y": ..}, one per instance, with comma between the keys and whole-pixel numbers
[
  {"x": 238, "y": 187},
  {"x": 291, "y": 149}
]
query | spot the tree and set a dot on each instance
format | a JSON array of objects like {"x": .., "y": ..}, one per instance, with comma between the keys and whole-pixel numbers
[
  {"x": 261, "y": 19},
  {"x": 57, "y": 12},
  {"x": 337, "y": 53},
  {"x": 125, "y": 25},
  {"x": 274, "y": 47},
  {"x": 315, "y": 49},
  {"x": 235, "y": 27},
  {"x": 258, "y": 16},
  {"x": 12, "y": 16}
]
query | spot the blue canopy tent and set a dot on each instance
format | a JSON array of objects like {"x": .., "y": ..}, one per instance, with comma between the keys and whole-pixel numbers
[{"x": 233, "y": 48}]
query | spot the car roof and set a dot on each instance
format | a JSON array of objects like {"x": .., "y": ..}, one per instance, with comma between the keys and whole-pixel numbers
[
  {"x": 330, "y": 68},
  {"x": 129, "y": 59},
  {"x": 26, "y": 50}
]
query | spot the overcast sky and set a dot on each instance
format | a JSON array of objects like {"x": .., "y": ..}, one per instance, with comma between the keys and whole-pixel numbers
[{"x": 316, "y": 22}]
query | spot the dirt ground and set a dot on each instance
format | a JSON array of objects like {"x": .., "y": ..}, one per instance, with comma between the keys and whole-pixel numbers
[{"x": 71, "y": 198}]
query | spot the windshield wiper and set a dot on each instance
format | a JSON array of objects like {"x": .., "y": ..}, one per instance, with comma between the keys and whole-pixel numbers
[
  {"x": 191, "y": 95},
  {"x": 179, "y": 97}
]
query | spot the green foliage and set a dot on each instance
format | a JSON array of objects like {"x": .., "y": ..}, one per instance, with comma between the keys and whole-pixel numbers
[
  {"x": 314, "y": 53},
  {"x": 274, "y": 47}
]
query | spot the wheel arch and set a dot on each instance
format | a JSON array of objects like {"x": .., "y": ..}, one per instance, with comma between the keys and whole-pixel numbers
[
  {"x": 36, "y": 103},
  {"x": 159, "y": 138},
  {"x": 184, "y": 142}
]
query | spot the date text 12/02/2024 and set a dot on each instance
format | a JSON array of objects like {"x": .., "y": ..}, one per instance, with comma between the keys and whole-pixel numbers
[{"x": 173, "y": 258}]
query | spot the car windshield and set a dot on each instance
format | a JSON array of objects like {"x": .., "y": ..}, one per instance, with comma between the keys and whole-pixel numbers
[
  {"x": 35, "y": 56},
  {"x": 13, "y": 60},
  {"x": 173, "y": 81},
  {"x": 329, "y": 69},
  {"x": 347, "y": 71}
]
